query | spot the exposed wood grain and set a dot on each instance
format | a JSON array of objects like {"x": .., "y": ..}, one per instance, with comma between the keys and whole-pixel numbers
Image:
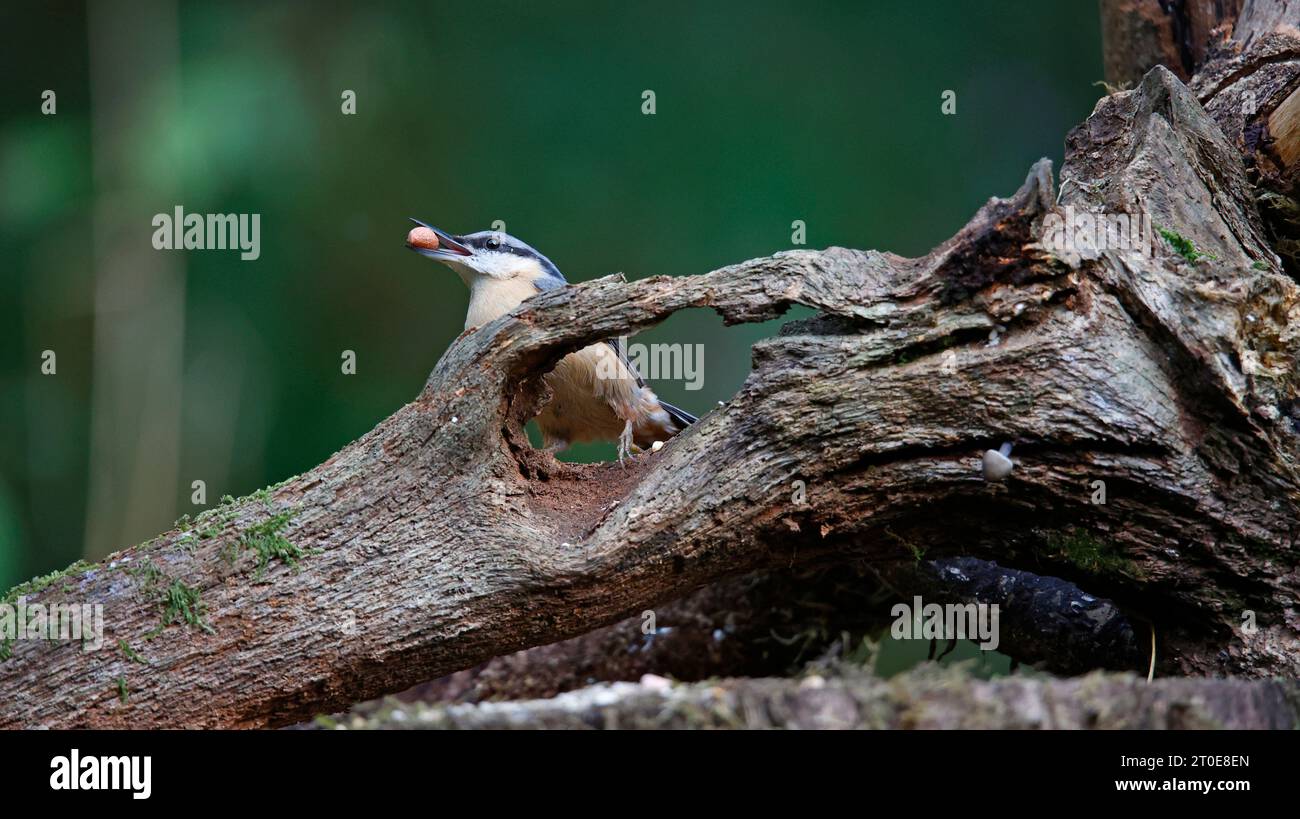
[{"x": 1284, "y": 128}]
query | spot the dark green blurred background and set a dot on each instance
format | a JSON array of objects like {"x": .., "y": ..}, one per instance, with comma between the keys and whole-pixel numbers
[{"x": 182, "y": 366}]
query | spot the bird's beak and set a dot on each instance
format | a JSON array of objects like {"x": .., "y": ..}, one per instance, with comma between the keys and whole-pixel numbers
[{"x": 449, "y": 247}]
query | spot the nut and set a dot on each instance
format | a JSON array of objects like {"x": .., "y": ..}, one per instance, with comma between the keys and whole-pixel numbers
[{"x": 422, "y": 237}]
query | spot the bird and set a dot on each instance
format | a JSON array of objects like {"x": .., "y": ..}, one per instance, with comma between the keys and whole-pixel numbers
[{"x": 597, "y": 394}]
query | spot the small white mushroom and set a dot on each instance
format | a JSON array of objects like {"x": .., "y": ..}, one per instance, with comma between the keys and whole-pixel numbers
[
  {"x": 997, "y": 463},
  {"x": 656, "y": 446}
]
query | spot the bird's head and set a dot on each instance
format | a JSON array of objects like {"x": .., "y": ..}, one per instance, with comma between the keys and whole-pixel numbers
[{"x": 486, "y": 255}]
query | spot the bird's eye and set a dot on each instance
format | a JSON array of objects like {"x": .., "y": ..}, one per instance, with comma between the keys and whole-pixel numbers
[{"x": 493, "y": 243}]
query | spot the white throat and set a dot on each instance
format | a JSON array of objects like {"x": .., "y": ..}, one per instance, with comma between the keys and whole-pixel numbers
[{"x": 492, "y": 298}]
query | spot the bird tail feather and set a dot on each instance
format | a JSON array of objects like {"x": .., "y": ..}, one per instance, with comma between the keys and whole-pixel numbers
[{"x": 681, "y": 416}]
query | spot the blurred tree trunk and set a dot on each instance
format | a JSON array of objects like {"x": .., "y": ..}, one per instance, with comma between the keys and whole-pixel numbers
[
  {"x": 1162, "y": 375},
  {"x": 139, "y": 297}
]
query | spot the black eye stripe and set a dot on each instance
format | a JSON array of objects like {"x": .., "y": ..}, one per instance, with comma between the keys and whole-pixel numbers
[{"x": 516, "y": 249}]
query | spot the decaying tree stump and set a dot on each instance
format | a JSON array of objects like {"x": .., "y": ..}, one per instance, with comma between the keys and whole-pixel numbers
[{"x": 1168, "y": 372}]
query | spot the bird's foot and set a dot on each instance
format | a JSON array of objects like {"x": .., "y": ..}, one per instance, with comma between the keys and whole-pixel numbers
[
  {"x": 952, "y": 643},
  {"x": 625, "y": 445}
]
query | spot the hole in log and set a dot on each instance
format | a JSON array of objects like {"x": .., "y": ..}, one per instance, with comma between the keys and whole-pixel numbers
[{"x": 693, "y": 361}]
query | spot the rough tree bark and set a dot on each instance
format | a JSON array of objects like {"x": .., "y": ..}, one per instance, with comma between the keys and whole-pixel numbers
[
  {"x": 442, "y": 539},
  {"x": 927, "y": 698},
  {"x": 1240, "y": 58},
  {"x": 1138, "y": 35},
  {"x": 773, "y": 623}
]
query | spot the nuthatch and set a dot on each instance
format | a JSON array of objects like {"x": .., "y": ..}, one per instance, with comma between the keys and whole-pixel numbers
[{"x": 597, "y": 393}]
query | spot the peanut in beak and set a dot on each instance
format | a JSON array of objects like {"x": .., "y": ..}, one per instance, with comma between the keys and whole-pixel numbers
[{"x": 422, "y": 237}]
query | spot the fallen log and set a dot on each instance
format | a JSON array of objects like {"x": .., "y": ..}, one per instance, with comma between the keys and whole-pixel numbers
[
  {"x": 927, "y": 698},
  {"x": 1166, "y": 372}
]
